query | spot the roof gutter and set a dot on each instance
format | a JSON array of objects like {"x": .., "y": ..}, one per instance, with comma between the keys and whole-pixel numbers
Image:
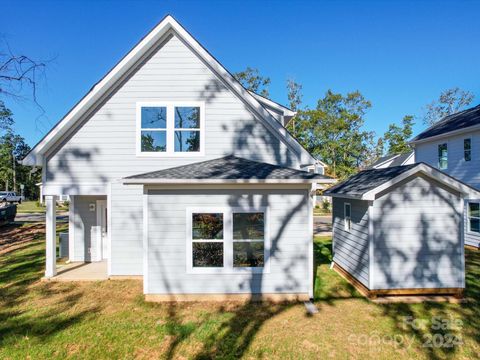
[
  {"x": 443, "y": 135},
  {"x": 225, "y": 181}
]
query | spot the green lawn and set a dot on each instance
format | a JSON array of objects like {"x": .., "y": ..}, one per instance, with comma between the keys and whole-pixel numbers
[
  {"x": 34, "y": 207},
  {"x": 109, "y": 319}
]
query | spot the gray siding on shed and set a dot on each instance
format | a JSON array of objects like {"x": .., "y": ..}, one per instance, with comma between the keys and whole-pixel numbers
[
  {"x": 290, "y": 236},
  {"x": 84, "y": 221},
  {"x": 103, "y": 148},
  {"x": 417, "y": 237},
  {"x": 351, "y": 249}
]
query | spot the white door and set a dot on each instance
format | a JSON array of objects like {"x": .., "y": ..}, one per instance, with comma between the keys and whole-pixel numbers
[{"x": 102, "y": 228}]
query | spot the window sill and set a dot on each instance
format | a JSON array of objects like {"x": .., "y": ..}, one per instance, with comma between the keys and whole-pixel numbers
[
  {"x": 170, "y": 155},
  {"x": 225, "y": 271}
]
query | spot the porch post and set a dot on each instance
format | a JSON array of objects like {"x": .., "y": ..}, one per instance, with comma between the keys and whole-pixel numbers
[{"x": 50, "y": 225}]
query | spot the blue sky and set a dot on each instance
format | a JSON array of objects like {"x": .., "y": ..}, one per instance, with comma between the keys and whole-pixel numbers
[{"x": 399, "y": 54}]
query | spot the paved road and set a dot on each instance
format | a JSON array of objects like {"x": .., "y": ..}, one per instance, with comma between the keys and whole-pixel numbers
[
  {"x": 322, "y": 225},
  {"x": 62, "y": 216}
]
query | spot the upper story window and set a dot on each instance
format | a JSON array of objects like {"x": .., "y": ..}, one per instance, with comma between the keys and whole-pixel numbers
[
  {"x": 170, "y": 129},
  {"x": 442, "y": 156},
  {"x": 467, "y": 149},
  {"x": 474, "y": 217}
]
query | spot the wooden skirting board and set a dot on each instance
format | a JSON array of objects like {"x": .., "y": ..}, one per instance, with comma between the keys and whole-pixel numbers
[
  {"x": 372, "y": 294},
  {"x": 471, "y": 247},
  {"x": 226, "y": 297}
]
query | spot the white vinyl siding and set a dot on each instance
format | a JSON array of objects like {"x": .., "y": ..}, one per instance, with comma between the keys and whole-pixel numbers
[
  {"x": 167, "y": 248},
  {"x": 103, "y": 147}
]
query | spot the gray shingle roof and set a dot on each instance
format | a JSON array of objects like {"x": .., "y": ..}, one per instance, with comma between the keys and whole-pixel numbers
[
  {"x": 367, "y": 180},
  {"x": 460, "y": 120},
  {"x": 230, "y": 168}
]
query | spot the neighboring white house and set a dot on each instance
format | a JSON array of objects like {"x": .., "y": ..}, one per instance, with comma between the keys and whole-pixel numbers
[
  {"x": 178, "y": 174},
  {"x": 452, "y": 145},
  {"x": 399, "y": 230},
  {"x": 393, "y": 160}
]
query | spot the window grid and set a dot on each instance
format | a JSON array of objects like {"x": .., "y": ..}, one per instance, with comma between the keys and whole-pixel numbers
[
  {"x": 473, "y": 219},
  {"x": 467, "y": 149}
]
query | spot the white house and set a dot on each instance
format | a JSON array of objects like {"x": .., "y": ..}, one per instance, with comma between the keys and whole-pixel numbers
[
  {"x": 452, "y": 145},
  {"x": 178, "y": 174}
]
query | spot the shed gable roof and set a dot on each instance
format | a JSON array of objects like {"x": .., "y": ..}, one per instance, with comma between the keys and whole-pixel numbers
[
  {"x": 132, "y": 59},
  {"x": 366, "y": 184}
]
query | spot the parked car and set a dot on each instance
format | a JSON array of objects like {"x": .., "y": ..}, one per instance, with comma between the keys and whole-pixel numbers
[{"x": 10, "y": 197}]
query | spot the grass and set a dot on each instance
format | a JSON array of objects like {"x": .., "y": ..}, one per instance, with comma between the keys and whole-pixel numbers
[
  {"x": 110, "y": 319},
  {"x": 34, "y": 207}
]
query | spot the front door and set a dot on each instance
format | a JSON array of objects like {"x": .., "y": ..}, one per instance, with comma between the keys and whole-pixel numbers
[{"x": 102, "y": 228}]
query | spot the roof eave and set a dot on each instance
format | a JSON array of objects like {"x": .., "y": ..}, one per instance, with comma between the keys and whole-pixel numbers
[
  {"x": 444, "y": 135},
  {"x": 224, "y": 181}
]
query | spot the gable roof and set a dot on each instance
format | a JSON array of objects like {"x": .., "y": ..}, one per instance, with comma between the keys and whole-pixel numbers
[
  {"x": 366, "y": 184},
  {"x": 396, "y": 160},
  {"x": 230, "y": 169},
  {"x": 458, "y": 122},
  {"x": 130, "y": 61}
]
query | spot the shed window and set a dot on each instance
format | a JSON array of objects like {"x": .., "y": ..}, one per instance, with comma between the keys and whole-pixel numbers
[
  {"x": 467, "y": 149},
  {"x": 347, "y": 216},
  {"x": 442, "y": 156},
  {"x": 474, "y": 217}
]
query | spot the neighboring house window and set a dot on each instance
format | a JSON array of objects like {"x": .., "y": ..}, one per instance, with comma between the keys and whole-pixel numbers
[
  {"x": 442, "y": 156},
  {"x": 467, "y": 149},
  {"x": 227, "y": 240},
  {"x": 474, "y": 217},
  {"x": 170, "y": 129},
  {"x": 248, "y": 239},
  {"x": 347, "y": 216},
  {"x": 207, "y": 240}
]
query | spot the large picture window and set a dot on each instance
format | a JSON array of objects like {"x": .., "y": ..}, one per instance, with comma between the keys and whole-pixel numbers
[
  {"x": 227, "y": 240},
  {"x": 474, "y": 217},
  {"x": 170, "y": 129}
]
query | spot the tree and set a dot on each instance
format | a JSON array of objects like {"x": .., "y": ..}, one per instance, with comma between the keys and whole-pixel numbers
[
  {"x": 449, "y": 102},
  {"x": 6, "y": 117},
  {"x": 294, "y": 93},
  {"x": 397, "y": 136},
  {"x": 251, "y": 80},
  {"x": 333, "y": 132}
]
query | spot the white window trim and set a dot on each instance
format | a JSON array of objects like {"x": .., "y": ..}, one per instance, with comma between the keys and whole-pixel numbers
[
  {"x": 170, "y": 129},
  {"x": 471, "y": 148},
  {"x": 227, "y": 241},
  {"x": 469, "y": 217},
  {"x": 438, "y": 157},
  {"x": 347, "y": 225}
]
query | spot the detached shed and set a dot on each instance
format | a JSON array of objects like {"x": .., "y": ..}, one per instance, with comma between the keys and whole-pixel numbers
[{"x": 399, "y": 230}]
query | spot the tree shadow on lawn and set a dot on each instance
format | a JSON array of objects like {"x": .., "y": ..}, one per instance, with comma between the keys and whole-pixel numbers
[
  {"x": 52, "y": 312},
  {"x": 440, "y": 327}
]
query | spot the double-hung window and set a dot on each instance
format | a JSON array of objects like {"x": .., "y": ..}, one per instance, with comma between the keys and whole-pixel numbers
[
  {"x": 170, "y": 129},
  {"x": 467, "y": 149},
  {"x": 227, "y": 240},
  {"x": 347, "y": 217},
  {"x": 473, "y": 214},
  {"x": 442, "y": 156}
]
